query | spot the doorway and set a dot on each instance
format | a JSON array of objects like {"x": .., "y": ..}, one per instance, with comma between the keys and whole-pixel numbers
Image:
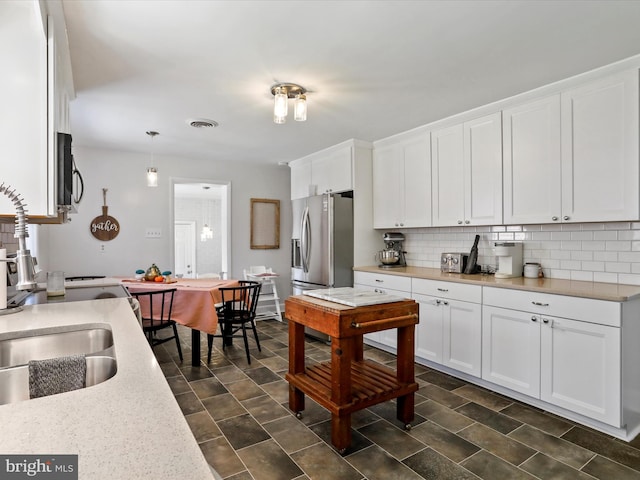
[{"x": 201, "y": 228}]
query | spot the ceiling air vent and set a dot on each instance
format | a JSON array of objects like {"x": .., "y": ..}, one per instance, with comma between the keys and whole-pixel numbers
[{"x": 202, "y": 123}]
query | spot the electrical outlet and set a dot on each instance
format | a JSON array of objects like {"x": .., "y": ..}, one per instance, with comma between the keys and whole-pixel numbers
[{"x": 153, "y": 233}]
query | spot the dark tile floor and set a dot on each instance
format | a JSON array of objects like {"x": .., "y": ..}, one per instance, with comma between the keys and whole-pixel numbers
[{"x": 239, "y": 415}]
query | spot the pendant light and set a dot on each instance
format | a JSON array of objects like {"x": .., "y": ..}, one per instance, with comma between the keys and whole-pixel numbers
[
  {"x": 207, "y": 232},
  {"x": 282, "y": 92},
  {"x": 152, "y": 171}
]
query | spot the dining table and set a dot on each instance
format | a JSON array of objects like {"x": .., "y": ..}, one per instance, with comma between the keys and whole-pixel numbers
[{"x": 194, "y": 304}]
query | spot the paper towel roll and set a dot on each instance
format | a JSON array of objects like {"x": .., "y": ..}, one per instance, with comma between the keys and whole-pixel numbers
[{"x": 3, "y": 278}]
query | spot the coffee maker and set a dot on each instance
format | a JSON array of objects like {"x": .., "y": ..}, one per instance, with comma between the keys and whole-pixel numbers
[
  {"x": 393, "y": 254},
  {"x": 509, "y": 256}
]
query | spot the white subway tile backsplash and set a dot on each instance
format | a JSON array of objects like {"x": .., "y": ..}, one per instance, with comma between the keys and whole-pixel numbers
[
  {"x": 595, "y": 266},
  {"x": 629, "y": 257},
  {"x": 594, "y": 245},
  {"x": 618, "y": 267},
  {"x": 581, "y": 255},
  {"x": 605, "y": 235},
  {"x": 561, "y": 236},
  {"x": 618, "y": 246},
  {"x": 629, "y": 235},
  {"x": 600, "y": 252},
  {"x": 605, "y": 256},
  {"x": 582, "y": 235},
  {"x": 605, "y": 277},
  {"x": 629, "y": 279},
  {"x": 582, "y": 276},
  {"x": 617, "y": 226}
]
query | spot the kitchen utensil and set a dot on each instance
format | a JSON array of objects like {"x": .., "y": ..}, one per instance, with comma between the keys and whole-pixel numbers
[
  {"x": 389, "y": 257},
  {"x": 453, "y": 262},
  {"x": 472, "y": 262},
  {"x": 104, "y": 227},
  {"x": 393, "y": 255},
  {"x": 532, "y": 270}
]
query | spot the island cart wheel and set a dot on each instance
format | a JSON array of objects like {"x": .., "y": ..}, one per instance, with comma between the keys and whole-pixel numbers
[
  {"x": 298, "y": 415},
  {"x": 407, "y": 427}
]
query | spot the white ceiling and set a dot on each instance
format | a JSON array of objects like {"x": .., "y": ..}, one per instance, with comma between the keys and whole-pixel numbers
[{"x": 373, "y": 68}]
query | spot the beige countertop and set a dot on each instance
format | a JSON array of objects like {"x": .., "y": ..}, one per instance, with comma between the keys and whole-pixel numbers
[
  {"x": 600, "y": 291},
  {"x": 129, "y": 426}
]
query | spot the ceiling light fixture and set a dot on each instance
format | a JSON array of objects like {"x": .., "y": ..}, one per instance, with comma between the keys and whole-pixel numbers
[
  {"x": 282, "y": 92},
  {"x": 152, "y": 171}
]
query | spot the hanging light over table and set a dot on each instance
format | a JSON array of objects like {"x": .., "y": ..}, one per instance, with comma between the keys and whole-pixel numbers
[{"x": 152, "y": 172}]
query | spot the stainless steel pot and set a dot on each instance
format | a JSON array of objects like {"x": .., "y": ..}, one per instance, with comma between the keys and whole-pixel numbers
[{"x": 389, "y": 257}]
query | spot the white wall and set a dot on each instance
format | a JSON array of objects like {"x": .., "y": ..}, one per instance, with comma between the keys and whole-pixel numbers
[{"x": 72, "y": 248}]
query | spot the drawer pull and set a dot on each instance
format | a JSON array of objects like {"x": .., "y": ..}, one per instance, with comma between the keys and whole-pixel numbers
[
  {"x": 443, "y": 289},
  {"x": 539, "y": 304},
  {"x": 379, "y": 281},
  {"x": 388, "y": 322}
]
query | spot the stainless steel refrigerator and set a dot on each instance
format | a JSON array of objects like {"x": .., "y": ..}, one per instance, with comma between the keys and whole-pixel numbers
[{"x": 322, "y": 244}]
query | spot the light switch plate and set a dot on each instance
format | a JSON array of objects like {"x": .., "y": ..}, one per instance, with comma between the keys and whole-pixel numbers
[{"x": 153, "y": 232}]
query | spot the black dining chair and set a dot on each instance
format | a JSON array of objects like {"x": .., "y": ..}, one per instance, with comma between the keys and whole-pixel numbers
[
  {"x": 236, "y": 312},
  {"x": 158, "y": 304}
]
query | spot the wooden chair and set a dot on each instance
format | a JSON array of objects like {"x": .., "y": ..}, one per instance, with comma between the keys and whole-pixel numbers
[
  {"x": 158, "y": 305},
  {"x": 236, "y": 311}
]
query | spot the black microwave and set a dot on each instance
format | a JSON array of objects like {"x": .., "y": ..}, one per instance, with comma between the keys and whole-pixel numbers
[{"x": 70, "y": 182}]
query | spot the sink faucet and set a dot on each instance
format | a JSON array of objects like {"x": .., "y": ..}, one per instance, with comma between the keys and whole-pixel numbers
[{"x": 23, "y": 260}]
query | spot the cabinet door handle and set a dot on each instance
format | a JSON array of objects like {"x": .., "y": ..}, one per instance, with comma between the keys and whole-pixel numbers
[
  {"x": 467, "y": 222},
  {"x": 444, "y": 302},
  {"x": 534, "y": 319},
  {"x": 459, "y": 222},
  {"x": 443, "y": 289},
  {"x": 438, "y": 302},
  {"x": 539, "y": 304},
  {"x": 566, "y": 217},
  {"x": 555, "y": 219},
  {"x": 545, "y": 320}
]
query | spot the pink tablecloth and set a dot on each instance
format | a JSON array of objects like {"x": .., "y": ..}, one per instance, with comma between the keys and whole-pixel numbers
[{"x": 193, "y": 303}]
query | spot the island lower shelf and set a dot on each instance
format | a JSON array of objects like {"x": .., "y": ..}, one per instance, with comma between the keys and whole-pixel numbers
[{"x": 371, "y": 384}]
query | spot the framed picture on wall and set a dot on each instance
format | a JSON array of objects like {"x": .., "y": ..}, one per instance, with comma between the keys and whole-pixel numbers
[{"x": 265, "y": 223}]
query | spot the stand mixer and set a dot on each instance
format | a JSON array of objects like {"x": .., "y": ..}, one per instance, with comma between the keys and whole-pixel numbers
[{"x": 393, "y": 254}]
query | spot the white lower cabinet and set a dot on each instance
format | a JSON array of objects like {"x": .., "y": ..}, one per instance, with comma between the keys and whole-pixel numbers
[
  {"x": 449, "y": 331},
  {"x": 569, "y": 363},
  {"x": 389, "y": 284}
]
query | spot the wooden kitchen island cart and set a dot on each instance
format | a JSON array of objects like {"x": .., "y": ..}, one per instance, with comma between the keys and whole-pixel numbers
[{"x": 349, "y": 382}]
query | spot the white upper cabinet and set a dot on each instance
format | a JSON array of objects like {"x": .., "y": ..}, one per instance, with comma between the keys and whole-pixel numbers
[
  {"x": 573, "y": 156},
  {"x": 447, "y": 166},
  {"x": 23, "y": 94},
  {"x": 531, "y": 146},
  {"x": 333, "y": 172},
  {"x": 467, "y": 173},
  {"x": 329, "y": 171},
  {"x": 35, "y": 95},
  {"x": 402, "y": 182},
  {"x": 600, "y": 159},
  {"x": 300, "y": 179}
]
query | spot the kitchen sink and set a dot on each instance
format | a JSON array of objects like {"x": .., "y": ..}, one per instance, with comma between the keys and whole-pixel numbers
[
  {"x": 14, "y": 381},
  {"x": 17, "y": 348}
]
